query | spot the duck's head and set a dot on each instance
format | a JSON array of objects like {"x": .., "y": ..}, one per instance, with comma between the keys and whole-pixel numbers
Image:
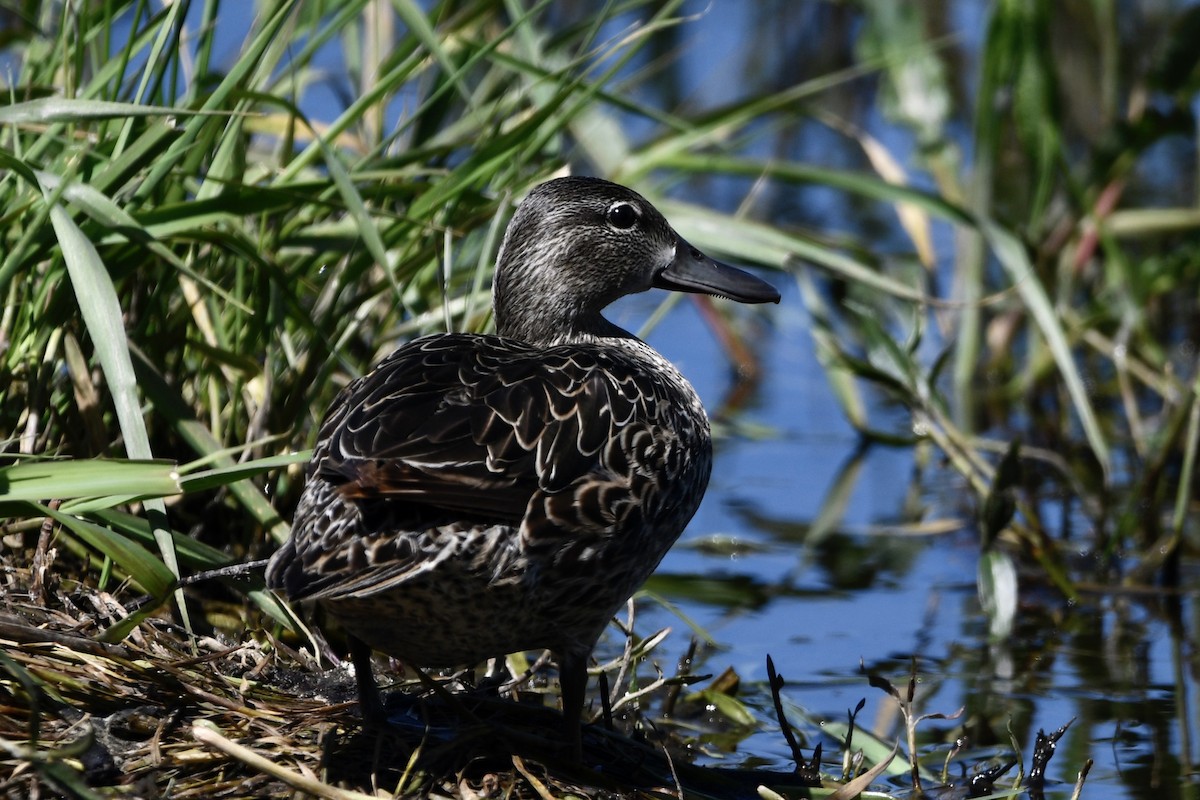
[{"x": 577, "y": 244}]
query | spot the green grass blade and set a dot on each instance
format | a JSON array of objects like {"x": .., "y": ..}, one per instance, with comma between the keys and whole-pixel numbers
[
  {"x": 63, "y": 109},
  {"x": 176, "y": 411},
  {"x": 253, "y": 60},
  {"x": 866, "y": 185},
  {"x": 1011, "y": 254},
  {"x": 125, "y": 226},
  {"x": 365, "y": 225},
  {"x": 193, "y": 554},
  {"x": 758, "y": 243},
  {"x": 142, "y": 565},
  {"x": 102, "y": 316},
  {"x": 101, "y": 311},
  {"x": 60, "y": 480},
  {"x": 828, "y": 351},
  {"x": 231, "y": 473},
  {"x": 414, "y": 17}
]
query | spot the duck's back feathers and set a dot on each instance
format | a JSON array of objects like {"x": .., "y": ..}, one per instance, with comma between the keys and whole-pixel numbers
[{"x": 457, "y": 435}]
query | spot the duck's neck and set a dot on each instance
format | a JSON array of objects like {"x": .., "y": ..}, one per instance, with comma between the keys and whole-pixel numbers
[
  {"x": 546, "y": 313},
  {"x": 548, "y": 327}
]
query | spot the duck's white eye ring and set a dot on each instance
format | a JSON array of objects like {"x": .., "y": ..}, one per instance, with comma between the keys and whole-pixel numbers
[{"x": 622, "y": 216}]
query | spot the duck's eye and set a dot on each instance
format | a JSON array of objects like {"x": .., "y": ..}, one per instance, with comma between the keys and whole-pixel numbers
[{"x": 622, "y": 216}]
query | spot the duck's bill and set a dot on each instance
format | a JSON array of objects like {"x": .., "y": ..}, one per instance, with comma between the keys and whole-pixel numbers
[{"x": 692, "y": 271}]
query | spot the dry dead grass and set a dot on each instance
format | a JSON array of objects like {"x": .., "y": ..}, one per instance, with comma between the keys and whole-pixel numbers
[{"x": 164, "y": 714}]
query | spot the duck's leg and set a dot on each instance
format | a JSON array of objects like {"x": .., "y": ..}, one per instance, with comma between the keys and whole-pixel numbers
[
  {"x": 572, "y": 682},
  {"x": 370, "y": 704}
]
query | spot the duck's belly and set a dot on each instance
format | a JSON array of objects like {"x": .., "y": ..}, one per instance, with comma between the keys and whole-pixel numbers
[{"x": 454, "y": 613}]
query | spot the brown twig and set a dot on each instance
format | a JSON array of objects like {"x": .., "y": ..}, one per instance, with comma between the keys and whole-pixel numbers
[
  {"x": 42, "y": 557},
  {"x": 14, "y": 630},
  {"x": 227, "y": 571}
]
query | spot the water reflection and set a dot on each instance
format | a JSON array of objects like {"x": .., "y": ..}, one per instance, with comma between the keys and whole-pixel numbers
[
  {"x": 828, "y": 555},
  {"x": 820, "y": 552}
]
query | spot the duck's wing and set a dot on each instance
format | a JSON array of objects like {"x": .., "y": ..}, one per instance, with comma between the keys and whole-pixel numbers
[
  {"x": 478, "y": 425},
  {"x": 549, "y": 450}
]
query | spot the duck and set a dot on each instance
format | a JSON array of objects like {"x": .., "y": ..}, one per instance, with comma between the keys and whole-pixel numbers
[{"x": 476, "y": 495}]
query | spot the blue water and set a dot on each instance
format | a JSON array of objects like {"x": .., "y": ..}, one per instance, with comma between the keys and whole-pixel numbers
[
  {"x": 914, "y": 595},
  {"x": 1110, "y": 661}
]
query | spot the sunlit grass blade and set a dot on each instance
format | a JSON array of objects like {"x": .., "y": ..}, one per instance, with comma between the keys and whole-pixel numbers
[
  {"x": 282, "y": 613},
  {"x": 102, "y": 315},
  {"x": 64, "y": 109},
  {"x": 1139, "y": 223},
  {"x": 723, "y": 121},
  {"x": 914, "y": 219},
  {"x": 252, "y": 60},
  {"x": 101, "y": 311},
  {"x": 855, "y": 182},
  {"x": 63, "y": 479},
  {"x": 232, "y": 473},
  {"x": 125, "y": 226},
  {"x": 758, "y": 243}
]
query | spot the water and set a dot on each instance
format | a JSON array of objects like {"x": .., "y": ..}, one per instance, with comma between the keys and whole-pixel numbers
[
  {"x": 875, "y": 590},
  {"x": 870, "y": 587}
]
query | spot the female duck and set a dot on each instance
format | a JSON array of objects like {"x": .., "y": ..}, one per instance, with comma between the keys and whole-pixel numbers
[{"x": 479, "y": 495}]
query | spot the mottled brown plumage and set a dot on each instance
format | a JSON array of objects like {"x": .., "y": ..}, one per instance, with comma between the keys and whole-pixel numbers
[{"x": 479, "y": 495}]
